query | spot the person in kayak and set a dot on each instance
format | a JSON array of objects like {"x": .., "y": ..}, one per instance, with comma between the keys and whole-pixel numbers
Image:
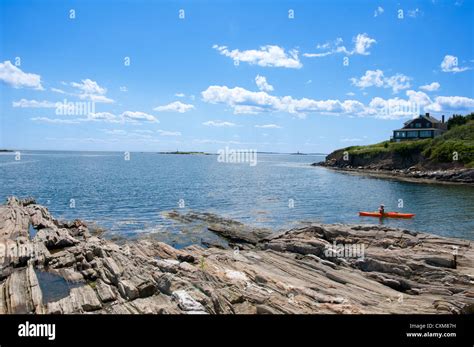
[{"x": 382, "y": 209}]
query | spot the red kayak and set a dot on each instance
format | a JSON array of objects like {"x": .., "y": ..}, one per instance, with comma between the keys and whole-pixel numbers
[{"x": 386, "y": 214}]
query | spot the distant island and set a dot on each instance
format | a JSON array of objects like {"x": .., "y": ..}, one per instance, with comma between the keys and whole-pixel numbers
[
  {"x": 447, "y": 157},
  {"x": 5, "y": 150},
  {"x": 186, "y": 153}
]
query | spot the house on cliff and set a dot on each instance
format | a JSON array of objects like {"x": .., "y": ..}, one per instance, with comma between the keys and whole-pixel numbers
[{"x": 422, "y": 127}]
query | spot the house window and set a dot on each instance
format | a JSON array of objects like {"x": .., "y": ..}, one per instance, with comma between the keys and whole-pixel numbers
[
  {"x": 412, "y": 134},
  {"x": 428, "y": 125},
  {"x": 400, "y": 134},
  {"x": 418, "y": 125},
  {"x": 425, "y": 133}
]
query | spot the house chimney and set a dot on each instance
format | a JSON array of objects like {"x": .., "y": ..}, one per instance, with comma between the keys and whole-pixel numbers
[
  {"x": 442, "y": 118},
  {"x": 427, "y": 114}
]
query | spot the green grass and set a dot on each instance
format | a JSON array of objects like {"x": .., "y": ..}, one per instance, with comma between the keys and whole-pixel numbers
[{"x": 459, "y": 139}]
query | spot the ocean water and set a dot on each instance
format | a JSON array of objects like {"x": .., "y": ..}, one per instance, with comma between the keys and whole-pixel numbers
[{"x": 281, "y": 191}]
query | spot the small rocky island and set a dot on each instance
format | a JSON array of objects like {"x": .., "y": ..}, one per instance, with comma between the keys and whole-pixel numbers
[{"x": 256, "y": 271}]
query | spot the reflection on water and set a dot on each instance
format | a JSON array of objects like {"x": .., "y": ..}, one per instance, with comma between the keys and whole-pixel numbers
[{"x": 53, "y": 286}]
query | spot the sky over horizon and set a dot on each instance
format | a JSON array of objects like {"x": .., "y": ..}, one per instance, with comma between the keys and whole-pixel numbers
[{"x": 281, "y": 76}]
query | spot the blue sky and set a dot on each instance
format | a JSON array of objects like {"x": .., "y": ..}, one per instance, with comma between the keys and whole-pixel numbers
[{"x": 251, "y": 74}]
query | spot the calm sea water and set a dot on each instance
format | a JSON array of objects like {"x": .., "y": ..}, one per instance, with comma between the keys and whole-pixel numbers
[{"x": 128, "y": 197}]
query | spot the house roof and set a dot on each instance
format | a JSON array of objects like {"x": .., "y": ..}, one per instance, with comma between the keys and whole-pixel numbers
[{"x": 428, "y": 118}]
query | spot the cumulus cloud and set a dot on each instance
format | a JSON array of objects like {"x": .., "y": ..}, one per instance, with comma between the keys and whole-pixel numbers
[
  {"x": 138, "y": 116},
  {"x": 24, "y": 103},
  {"x": 376, "y": 78},
  {"x": 268, "y": 126},
  {"x": 262, "y": 84},
  {"x": 176, "y": 106},
  {"x": 124, "y": 117},
  {"x": 450, "y": 64},
  {"x": 362, "y": 44},
  {"x": 417, "y": 102},
  {"x": 433, "y": 86},
  {"x": 91, "y": 91},
  {"x": 378, "y": 11},
  {"x": 211, "y": 123},
  {"x": 15, "y": 77},
  {"x": 451, "y": 103},
  {"x": 266, "y": 56},
  {"x": 244, "y": 101}
]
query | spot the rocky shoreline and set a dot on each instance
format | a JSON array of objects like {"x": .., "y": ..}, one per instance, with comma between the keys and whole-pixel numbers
[
  {"x": 413, "y": 174},
  {"x": 256, "y": 271}
]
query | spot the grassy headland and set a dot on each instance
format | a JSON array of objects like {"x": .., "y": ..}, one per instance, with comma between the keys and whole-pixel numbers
[{"x": 453, "y": 149}]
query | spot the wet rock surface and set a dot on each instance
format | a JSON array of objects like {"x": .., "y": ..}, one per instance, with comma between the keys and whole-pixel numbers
[{"x": 313, "y": 269}]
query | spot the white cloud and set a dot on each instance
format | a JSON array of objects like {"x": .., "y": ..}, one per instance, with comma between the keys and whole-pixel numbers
[
  {"x": 55, "y": 120},
  {"x": 414, "y": 13},
  {"x": 398, "y": 82},
  {"x": 103, "y": 116},
  {"x": 268, "y": 126},
  {"x": 169, "y": 133},
  {"x": 451, "y": 103},
  {"x": 247, "y": 102},
  {"x": 15, "y": 77},
  {"x": 450, "y": 64},
  {"x": 138, "y": 116},
  {"x": 433, "y": 86},
  {"x": 243, "y": 101},
  {"x": 378, "y": 11},
  {"x": 350, "y": 94},
  {"x": 267, "y": 56},
  {"x": 24, "y": 103},
  {"x": 57, "y": 90},
  {"x": 212, "y": 123},
  {"x": 262, "y": 84},
  {"x": 376, "y": 78},
  {"x": 88, "y": 86},
  {"x": 417, "y": 102},
  {"x": 96, "y": 98},
  {"x": 180, "y": 95},
  {"x": 176, "y": 106},
  {"x": 125, "y": 117},
  {"x": 362, "y": 43},
  {"x": 90, "y": 90}
]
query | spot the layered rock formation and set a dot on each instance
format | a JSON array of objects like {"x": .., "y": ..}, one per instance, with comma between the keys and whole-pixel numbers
[{"x": 313, "y": 269}]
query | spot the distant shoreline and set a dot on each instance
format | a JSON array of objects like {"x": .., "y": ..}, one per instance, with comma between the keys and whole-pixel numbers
[
  {"x": 151, "y": 152},
  {"x": 435, "y": 177}
]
